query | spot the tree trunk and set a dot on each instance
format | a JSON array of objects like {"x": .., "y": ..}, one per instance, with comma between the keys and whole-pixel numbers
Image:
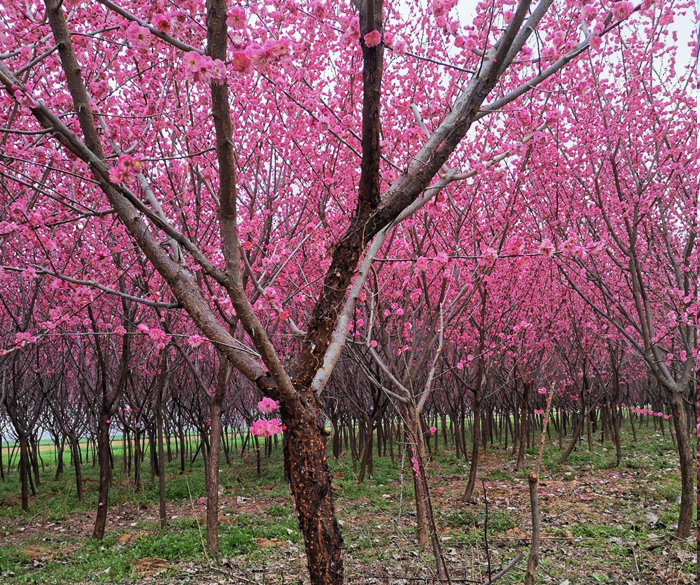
[
  {"x": 473, "y": 466},
  {"x": 524, "y": 418},
  {"x": 105, "y": 476},
  {"x": 310, "y": 481},
  {"x": 77, "y": 464},
  {"x": 687, "y": 461},
  {"x": 24, "y": 471},
  {"x": 59, "y": 459},
  {"x": 137, "y": 458},
  {"x": 161, "y": 461},
  {"x": 212, "y": 477}
]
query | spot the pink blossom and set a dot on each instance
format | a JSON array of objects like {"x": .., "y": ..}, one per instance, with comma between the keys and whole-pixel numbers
[
  {"x": 542, "y": 390},
  {"x": 432, "y": 430},
  {"x": 24, "y": 99},
  {"x": 268, "y": 405},
  {"x": 218, "y": 71},
  {"x": 23, "y": 338},
  {"x": 201, "y": 68},
  {"x": 373, "y": 38},
  {"x": 236, "y": 18},
  {"x": 139, "y": 37},
  {"x": 125, "y": 170},
  {"x": 416, "y": 466},
  {"x": 163, "y": 22},
  {"x": 622, "y": 10},
  {"x": 266, "y": 428},
  {"x": 202, "y": 500},
  {"x": 588, "y": 13},
  {"x": 195, "y": 341}
]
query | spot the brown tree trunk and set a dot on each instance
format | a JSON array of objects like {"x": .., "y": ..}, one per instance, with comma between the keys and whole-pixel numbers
[
  {"x": 524, "y": 419},
  {"x": 687, "y": 461},
  {"x": 59, "y": 459},
  {"x": 24, "y": 471},
  {"x": 77, "y": 464},
  {"x": 105, "y": 476},
  {"x": 310, "y": 481},
  {"x": 474, "y": 464},
  {"x": 366, "y": 455},
  {"x": 213, "y": 478},
  {"x": 159, "y": 438},
  {"x": 137, "y": 458}
]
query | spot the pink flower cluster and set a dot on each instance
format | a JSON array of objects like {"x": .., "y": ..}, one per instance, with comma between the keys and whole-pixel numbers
[
  {"x": 125, "y": 170},
  {"x": 203, "y": 68},
  {"x": 268, "y": 405},
  {"x": 267, "y": 428},
  {"x": 432, "y": 430},
  {"x": 260, "y": 56},
  {"x": 416, "y": 466},
  {"x": 647, "y": 411},
  {"x": 158, "y": 336}
]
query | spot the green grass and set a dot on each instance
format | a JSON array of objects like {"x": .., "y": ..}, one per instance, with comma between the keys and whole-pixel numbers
[{"x": 373, "y": 528}]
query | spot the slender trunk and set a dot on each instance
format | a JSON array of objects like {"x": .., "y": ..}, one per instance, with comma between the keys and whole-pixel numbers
[
  {"x": 212, "y": 477},
  {"x": 366, "y": 455},
  {"x": 105, "y": 476},
  {"x": 524, "y": 418},
  {"x": 77, "y": 464},
  {"x": 161, "y": 461},
  {"x": 473, "y": 466},
  {"x": 24, "y": 471},
  {"x": 59, "y": 459},
  {"x": 137, "y": 458},
  {"x": 34, "y": 462},
  {"x": 182, "y": 450}
]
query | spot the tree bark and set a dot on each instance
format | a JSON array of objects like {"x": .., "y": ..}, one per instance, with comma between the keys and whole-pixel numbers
[
  {"x": 105, "y": 476},
  {"x": 310, "y": 481},
  {"x": 77, "y": 464},
  {"x": 687, "y": 462}
]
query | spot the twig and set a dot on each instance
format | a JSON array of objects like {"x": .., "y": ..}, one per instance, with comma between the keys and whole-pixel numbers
[
  {"x": 486, "y": 526},
  {"x": 533, "y": 480},
  {"x": 505, "y": 570}
]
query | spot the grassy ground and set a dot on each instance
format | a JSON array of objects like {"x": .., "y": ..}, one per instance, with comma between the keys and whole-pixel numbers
[{"x": 601, "y": 524}]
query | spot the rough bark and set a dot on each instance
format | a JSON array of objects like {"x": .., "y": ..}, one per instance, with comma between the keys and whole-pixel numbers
[{"x": 310, "y": 481}]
